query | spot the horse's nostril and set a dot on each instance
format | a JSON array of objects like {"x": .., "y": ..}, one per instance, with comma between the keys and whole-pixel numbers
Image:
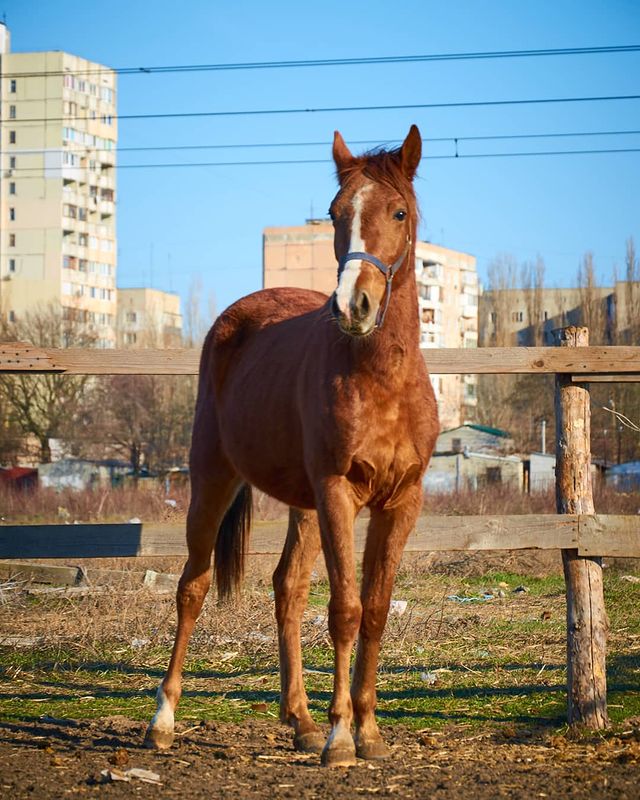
[
  {"x": 364, "y": 304},
  {"x": 361, "y": 305}
]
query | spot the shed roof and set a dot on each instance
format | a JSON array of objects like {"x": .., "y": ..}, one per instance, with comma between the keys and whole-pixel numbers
[{"x": 483, "y": 428}]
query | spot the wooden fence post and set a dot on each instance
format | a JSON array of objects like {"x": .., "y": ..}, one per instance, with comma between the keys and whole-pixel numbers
[{"x": 586, "y": 616}]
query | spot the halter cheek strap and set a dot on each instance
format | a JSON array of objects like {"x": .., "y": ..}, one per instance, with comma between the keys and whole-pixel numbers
[{"x": 388, "y": 271}]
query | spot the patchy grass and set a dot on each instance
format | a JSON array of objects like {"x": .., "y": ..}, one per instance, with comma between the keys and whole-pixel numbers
[{"x": 484, "y": 662}]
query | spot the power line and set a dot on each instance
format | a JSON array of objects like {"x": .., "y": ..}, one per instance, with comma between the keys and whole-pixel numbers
[
  {"x": 340, "y": 62},
  {"x": 342, "y": 109},
  {"x": 328, "y": 160},
  {"x": 300, "y": 161},
  {"x": 259, "y": 145}
]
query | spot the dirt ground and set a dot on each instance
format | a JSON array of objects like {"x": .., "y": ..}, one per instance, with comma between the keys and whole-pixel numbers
[
  {"x": 504, "y": 659},
  {"x": 62, "y": 758}
]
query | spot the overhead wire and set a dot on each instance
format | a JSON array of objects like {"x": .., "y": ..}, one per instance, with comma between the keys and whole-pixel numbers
[
  {"x": 300, "y": 161},
  {"x": 340, "y": 109},
  {"x": 337, "y": 62},
  {"x": 267, "y": 145}
]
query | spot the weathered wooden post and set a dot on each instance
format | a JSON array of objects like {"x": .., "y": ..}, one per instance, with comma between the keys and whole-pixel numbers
[{"x": 586, "y": 616}]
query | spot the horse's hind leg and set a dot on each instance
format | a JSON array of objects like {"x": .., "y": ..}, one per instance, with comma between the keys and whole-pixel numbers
[
  {"x": 291, "y": 582},
  {"x": 214, "y": 485}
]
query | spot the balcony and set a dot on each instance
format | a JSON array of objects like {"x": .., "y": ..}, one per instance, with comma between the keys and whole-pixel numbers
[
  {"x": 469, "y": 312},
  {"x": 106, "y": 181},
  {"x": 77, "y": 174},
  {"x": 468, "y": 279},
  {"x": 73, "y": 197},
  {"x": 106, "y": 208}
]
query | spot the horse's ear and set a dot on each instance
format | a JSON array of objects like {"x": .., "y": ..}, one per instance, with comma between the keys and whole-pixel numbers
[
  {"x": 411, "y": 152},
  {"x": 341, "y": 153}
]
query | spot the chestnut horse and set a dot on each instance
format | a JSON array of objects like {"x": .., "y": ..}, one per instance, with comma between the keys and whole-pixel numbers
[{"x": 325, "y": 404}]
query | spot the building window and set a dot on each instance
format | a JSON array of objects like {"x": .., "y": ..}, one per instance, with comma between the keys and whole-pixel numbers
[
  {"x": 131, "y": 316},
  {"x": 12, "y": 316},
  {"x": 13, "y": 86},
  {"x": 12, "y": 240},
  {"x": 494, "y": 475},
  {"x": 517, "y": 316},
  {"x": 428, "y": 315},
  {"x": 12, "y": 137},
  {"x": 130, "y": 338},
  {"x": 494, "y": 317},
  {"x": 12, "y": 187},
  {"x": 12, "y": 214},
  {"x": 12, "y": 162},
  {"x": 82, "y": 214},
  {"x": 12, "y": 112},
  {"x": 12, "y": 265}
]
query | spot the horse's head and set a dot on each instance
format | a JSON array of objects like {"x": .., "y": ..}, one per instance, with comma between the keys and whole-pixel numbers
[{"x": 374, "y": 216}]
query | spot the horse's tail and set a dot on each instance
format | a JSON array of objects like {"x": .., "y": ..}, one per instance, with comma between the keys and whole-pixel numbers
[{"x": 231, "y": 544}]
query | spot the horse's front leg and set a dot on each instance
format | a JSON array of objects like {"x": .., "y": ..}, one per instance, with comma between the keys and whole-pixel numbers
[
  {"x": 386, "y": 538},
  {"x": 291, "y": 589},
  {"x": 336, "y": 512}
]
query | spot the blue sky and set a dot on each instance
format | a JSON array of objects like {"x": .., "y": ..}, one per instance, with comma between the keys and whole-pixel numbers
[{"x": 178, "y": 227}]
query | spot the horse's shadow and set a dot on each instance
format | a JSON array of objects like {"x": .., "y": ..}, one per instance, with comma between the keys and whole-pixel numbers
[{"x": 621, "y": 669}]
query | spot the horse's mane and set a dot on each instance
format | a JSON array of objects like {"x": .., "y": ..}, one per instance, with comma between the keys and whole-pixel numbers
[{"x": 382, "y": 166}]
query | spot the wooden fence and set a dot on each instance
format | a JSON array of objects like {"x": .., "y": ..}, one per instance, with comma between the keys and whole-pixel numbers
[{"x": 581, "y": 535}]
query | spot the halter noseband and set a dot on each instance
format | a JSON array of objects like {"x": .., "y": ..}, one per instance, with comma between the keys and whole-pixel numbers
[{"x": 388, "y": 271}]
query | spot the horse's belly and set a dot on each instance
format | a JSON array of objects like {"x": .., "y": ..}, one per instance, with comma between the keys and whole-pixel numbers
[
  {"x": 266, "y": 449},
  {"x": 288, "y": 485}
]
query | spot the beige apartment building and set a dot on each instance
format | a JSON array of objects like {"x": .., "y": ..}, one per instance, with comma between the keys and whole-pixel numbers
[
  {"x": 529, "y": 317},
  {"x": 447, "y": 280},
  {"x": 149, "y": 318},
  {"x": 57, "y": 188}
]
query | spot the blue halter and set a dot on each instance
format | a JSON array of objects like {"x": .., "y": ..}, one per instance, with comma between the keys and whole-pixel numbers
[{"x": 388, "y": 271}]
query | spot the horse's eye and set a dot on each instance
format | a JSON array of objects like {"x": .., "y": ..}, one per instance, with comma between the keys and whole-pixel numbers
[{"x": 400, "y": 215}]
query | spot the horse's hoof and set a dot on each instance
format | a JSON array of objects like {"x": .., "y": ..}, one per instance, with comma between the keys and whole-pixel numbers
[
  {"x": 373, "y": 750},
  {"x": 157, "y": 739},
  {"x": 310, "y": 742},
  {"x": 338, "y": 757}
]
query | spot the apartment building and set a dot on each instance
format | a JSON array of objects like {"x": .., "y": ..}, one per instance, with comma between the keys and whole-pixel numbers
[
  {"x": 57, "y": 188},
  {"x": 149, "y": 318},
  {"x": 448, "y": 291},
  {"x": 529, "y": 317},
  {"x": 447, "y": 281}
]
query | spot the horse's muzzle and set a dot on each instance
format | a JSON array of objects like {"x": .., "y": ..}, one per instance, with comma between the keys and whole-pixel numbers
[{"x": 359, "y": 318}]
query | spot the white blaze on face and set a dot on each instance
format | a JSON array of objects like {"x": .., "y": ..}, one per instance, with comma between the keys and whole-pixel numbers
[{"x": 351, "y": 271}]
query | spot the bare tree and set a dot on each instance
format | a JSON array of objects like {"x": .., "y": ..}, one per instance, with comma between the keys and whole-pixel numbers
[
  {"x": 147, "y": 419},
  {"x": 593, "y": 302},
  {"x": 46, "y": 406},
  {"x": 533, "y": 287}
]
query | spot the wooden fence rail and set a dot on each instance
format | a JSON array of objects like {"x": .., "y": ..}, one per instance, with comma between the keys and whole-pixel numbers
[
  {"x": 598, "y": 363},
  {"x": 581, "y": 535},
  {"x": 604, "y": 535}
]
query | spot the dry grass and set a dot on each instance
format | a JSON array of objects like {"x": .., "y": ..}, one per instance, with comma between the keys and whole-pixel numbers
[{"x": 148, "y": 502}]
